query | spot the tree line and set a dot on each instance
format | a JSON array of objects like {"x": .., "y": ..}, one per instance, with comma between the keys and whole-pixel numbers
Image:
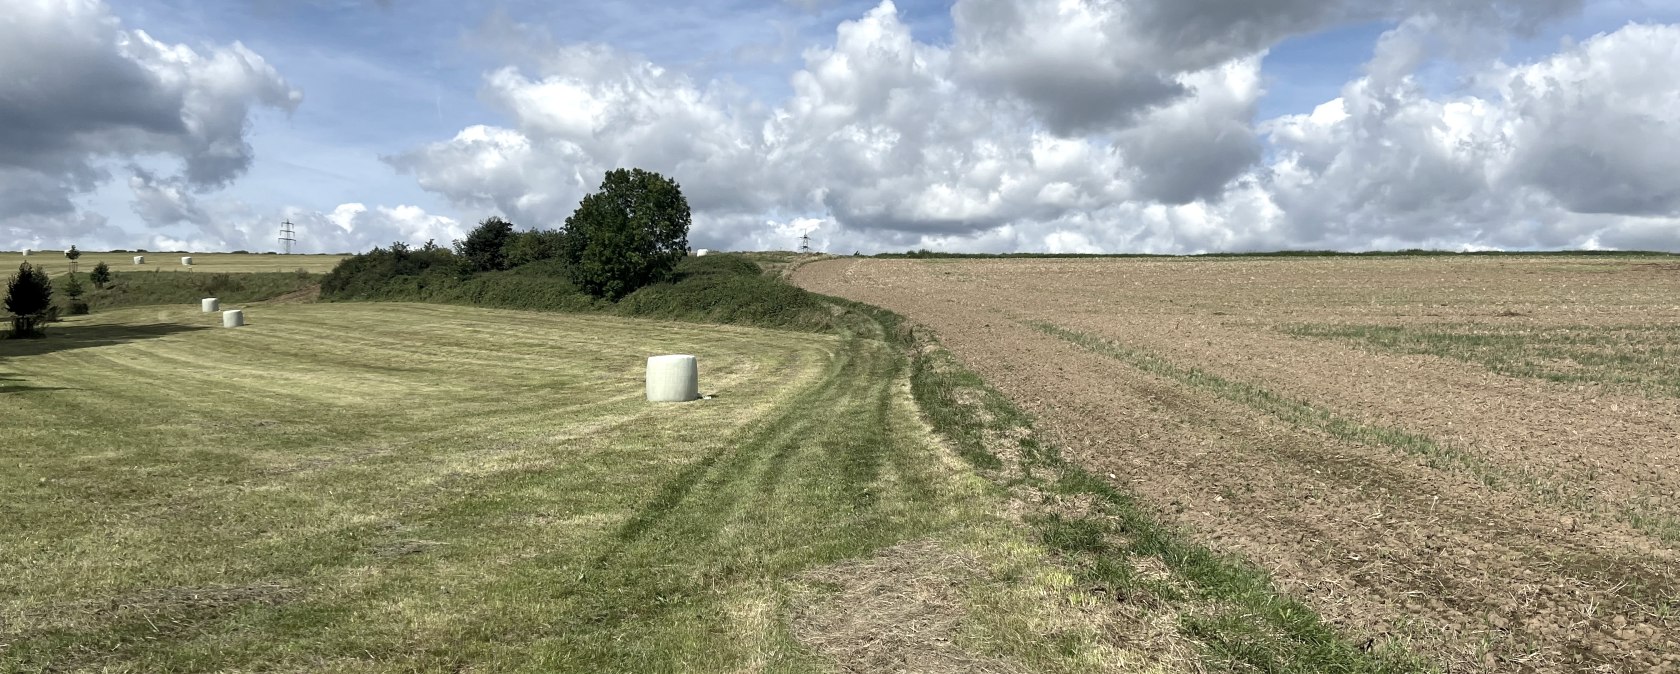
[{"x": 629, "y": 234}]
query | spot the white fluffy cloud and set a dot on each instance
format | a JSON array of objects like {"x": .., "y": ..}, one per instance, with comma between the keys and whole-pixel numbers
[
  {"x": 347, "y": 228},
  {"x": 1574, "y": 150},
  {"x": 1078, "y": 125},
  {"x": 79, "y": 94}
]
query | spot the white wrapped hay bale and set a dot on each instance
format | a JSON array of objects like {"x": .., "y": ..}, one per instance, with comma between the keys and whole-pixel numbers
[
  {"x": 26, "y": 252},
  {"x": 210, "y": 305},
  {"x": 139, "y": 259},
  {"x": 702, "y": 252},
  {"x": 186, "y": 262},
  {"x": 673, "y": 379},
  {"x": 233, "y": 318}
]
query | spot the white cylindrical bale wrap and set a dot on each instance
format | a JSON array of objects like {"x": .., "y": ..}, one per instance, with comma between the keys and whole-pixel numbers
[
  {"x": 139, "y": 259},
  {"x": 186, "y": 261},
  {"x": 702, "y": 252},
  {"x": 26, "y": 252},
  {"x": 210, "y": 304},
  {"x": 673, "y": 379},
  {"x": 233, "y": 318}
]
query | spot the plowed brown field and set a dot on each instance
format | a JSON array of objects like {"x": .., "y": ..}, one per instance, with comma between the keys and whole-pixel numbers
[{"x": 1494, "y": 520}]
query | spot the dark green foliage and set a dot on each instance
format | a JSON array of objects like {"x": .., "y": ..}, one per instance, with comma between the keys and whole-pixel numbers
[
  {"x": 742, "y": 299},
  {"x": 711, "y": 289},
  {"x": 73, "y": 288},
  {"x": 628, "y": 235},
  {"x": 534, "y": 246},
  {"x": 72, "y": 253},
  {"x": 101, "y": 275},
  {"x": 79, "y": 308},
  {"x": 391, "y": 273},
  {"x": 717, "y": 264},
  {"x": 485, "y": 248},
  {"x": 28, "y": 297}
]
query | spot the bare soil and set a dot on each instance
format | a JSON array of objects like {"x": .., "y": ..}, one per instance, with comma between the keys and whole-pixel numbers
[{"x": 1563, "y": 574}]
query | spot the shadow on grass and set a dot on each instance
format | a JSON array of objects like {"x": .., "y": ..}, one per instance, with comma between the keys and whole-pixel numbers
[{"x": 65, "y": 338}]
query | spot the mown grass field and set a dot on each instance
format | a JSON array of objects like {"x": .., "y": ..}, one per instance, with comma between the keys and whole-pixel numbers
[
  {"x": 240, "y": 263},
  {"x": 400, "y": 487}
]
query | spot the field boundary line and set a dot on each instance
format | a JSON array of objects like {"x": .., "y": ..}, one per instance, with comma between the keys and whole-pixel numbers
[{"x": 1113, "y": 543}]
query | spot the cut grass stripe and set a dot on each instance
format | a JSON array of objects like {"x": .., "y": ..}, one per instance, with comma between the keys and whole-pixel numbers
[{"x": 1435, "y": 454}]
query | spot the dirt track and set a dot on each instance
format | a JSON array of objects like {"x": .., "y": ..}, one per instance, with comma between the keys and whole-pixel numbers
[{"x": 1557, "y": 567}]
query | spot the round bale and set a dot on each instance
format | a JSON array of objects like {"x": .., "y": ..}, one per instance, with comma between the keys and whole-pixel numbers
[
  {"x": 233, "y": 318},
  {"x": 210, "y": 304},
  {"x": 186, "y": 262},
  {"x": 139, "y": 259},
  {"x": 702, "y": 252},
  {"x": 673, "y": 379},
  {"x": 26, "y": 252}
]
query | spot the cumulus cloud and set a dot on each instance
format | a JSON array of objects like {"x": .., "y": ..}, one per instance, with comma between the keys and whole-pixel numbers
[
  {"x": 350, "y": 227},
  {"x": 1572, "y": 150},
  {"x": 1077, "y": 126},
  {"x": 79, "y": 91}
]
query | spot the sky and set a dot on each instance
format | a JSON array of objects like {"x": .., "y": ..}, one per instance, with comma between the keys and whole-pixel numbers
[{"x": 1066, "y": 126}]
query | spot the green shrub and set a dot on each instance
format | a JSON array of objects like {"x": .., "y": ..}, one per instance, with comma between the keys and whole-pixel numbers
[
  {"x": 534, "y": 246},
  {"x": 392, "y": 273},
  {"x": 29, "y": 300},
  {"x": 717, "y": 264},
  {"x": 630, "y": 234},
  {"x": 485, "y": 248},
  {"x": 739, "y": 299},
  {"x": 101, "y": 274}
]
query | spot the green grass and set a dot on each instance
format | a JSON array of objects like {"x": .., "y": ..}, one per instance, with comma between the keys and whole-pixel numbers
[
  {"x": 402, "y": 487},
  {"x": 1564, "y": 491},
  {"x": 1643, "y": 358},
  {"x": 129, "y": 289}
]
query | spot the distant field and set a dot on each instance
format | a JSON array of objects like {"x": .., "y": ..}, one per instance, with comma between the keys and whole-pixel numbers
[
  {"x": 397, "y": 487},
  {"x": 169, "y": 262}
]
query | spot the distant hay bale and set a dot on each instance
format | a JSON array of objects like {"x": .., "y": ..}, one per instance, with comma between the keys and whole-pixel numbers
[
  {"x": 210, "y": 305},
  {"x": 233, "y": 318},
  {"x": 186, "y": 261},
  {"x": 702, "y": 252},
  {"x": 673, "y": 379},
  {"x": 26, "y": 252},
  {"x": 139, "y": 259}
]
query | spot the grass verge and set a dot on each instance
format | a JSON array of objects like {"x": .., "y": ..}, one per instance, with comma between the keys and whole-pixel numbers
[
  {"x": 1119, "y": 549},
  {"x": 1570, "y": 494}
]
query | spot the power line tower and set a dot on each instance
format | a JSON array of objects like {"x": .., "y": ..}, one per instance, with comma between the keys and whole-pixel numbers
[
  {"x": 288, "y": 236},
  {"x": 805, "y": 244}
]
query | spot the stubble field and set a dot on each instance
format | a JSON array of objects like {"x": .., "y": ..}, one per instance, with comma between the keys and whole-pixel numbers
[{"x": 1475, "y": 457}]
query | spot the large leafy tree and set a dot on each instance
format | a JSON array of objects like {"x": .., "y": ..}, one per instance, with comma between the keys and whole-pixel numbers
[
  {"x": 629, "y": 234},
  {"x": 485, "y": 248},
  {"x": 28, "y": 296}
]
